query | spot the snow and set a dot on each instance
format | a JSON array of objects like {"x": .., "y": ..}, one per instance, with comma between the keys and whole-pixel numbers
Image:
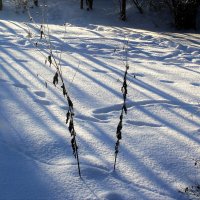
[{"x": 160, "y": 138}]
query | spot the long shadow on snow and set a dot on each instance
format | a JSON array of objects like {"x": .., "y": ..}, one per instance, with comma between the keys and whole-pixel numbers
[
  {"x": 84, "y": 73},
  {"x": 132, "y": 160},
  {"x": 28, "y": 110},
  {"x": 34, "y": 114},
  {"x": 161, "y": 93},
  {"x": 141, "y": 84},
  {"x": 23, "y": 178}
]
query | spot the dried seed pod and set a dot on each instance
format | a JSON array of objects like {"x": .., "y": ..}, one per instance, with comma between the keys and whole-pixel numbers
[
  {"x": 119, "y": 135},
  {"x": 41, "y": 34},
  {"x": 70, "y": 102},
  {"x": 117, "y": 147},
  {"x": 67, "y": 116},
  {"x": 74, "y": 147},
  {"x": 55, "y": 79},
  {"x": 64, "y": 89},
  {"x": 119, "y": 127},
  {"x": 50, "y": 60},
  {"x": 125, "y": 108},
  {"x": 71, "y": 127},
  {"x": 121, "y": 116}
]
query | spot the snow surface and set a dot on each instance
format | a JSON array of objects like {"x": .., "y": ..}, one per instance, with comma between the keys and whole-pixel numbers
[{"x": 161, "y": 133}]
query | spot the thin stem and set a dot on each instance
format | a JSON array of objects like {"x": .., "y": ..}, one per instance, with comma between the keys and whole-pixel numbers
[
  {"x": 77, "y": 158},
  {"x": 55, "y": 82}
]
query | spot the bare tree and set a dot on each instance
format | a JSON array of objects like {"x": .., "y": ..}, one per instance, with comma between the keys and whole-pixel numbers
[
  {"x": 89, "y": 4},
  {"x": 185, "y": 13},
  {"x": 123, "y": 10},
  {"x": 81, "y": 4},
  {"x": 35, "y": 2},
  {"x": 1, "y": 5}
]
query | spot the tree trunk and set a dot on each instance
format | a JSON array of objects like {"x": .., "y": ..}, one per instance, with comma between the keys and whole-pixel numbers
[
  {"x": 1, "y": 4},
  {"x": 36, "y": 2},
  {"x": 185, "y": 13},
  {"x": 90, "y": 4},
  {"x": 81, "y": 4},
  {"x": 138, "y": 6},
  {"x": 123, "y": 10}
]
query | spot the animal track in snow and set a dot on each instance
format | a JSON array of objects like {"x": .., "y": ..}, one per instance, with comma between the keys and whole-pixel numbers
[
  {"x": 88, "y": 118},
  {"x": 196, "y": 132},
  {"x": 112, "y": 196},
  {"x": 99, "y": 71},
  {"x": 166, "y": 81},
  {"x": 102, "y": 117},
  {"x": 64, "y": 107},
  {"x": 19, "y": 85},
  {"x": 137, "y": 74},
  {"x": 195, "y": 84},
  {"x": 40, "y": 93},
  {"x": 2, "y": 80},
  {"x": 20, "y": 60},
  {"x": 131, "y": 104},
  {"x": 43, "y": 102},
  {"x": 140, "y": 123},
  {"x": 95, "y": 172},
  {"x": 146, "y": 37},
  {"x": 107, "y": 109}
]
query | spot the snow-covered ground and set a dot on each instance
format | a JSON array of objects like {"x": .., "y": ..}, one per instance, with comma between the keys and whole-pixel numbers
[{"x": 161, "y": 132}]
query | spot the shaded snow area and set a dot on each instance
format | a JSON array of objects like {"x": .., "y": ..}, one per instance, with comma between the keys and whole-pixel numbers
[{"x": 161, "y": 132}]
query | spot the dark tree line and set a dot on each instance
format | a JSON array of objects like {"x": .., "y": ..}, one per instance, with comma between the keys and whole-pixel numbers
[
  {"x": 89, "y": 4},
  {"x": 24, "y": 2},
  {"x": 184, "y": 11},
  {"x": 123, "y": 10},
  {"x": 1, "y": 5}
]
